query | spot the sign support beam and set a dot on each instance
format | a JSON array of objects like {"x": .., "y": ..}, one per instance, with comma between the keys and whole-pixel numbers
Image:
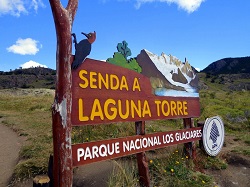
[
  {"x": 142, "y": 160},
  {"x": 189, "y": 147}
]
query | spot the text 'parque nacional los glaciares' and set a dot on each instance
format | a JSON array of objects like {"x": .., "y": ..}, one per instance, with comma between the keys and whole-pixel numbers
[
  {"x": 103, "y": 92},
  {"x": 107, "y": 149}
]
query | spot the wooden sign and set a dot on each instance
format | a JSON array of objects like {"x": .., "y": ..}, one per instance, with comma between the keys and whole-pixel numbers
[
  {"x": 105, "y": 93},
  {"x": 113, "y": 148},
  {"x": 147, "y": 87}
]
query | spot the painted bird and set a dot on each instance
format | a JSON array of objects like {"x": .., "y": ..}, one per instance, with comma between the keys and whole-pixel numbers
[{"x": 82, "y": 49}]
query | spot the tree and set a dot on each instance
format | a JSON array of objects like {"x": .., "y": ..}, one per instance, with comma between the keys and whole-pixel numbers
[
  {"x": 120, "y": 58},
  {"x": 61, "y": 108}
]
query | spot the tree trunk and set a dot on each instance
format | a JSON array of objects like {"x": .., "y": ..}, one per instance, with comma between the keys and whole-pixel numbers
[{"x": 61, "y": 108}]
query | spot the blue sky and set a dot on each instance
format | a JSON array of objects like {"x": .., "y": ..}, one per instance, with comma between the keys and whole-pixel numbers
[{"x": 203, "y": 31}]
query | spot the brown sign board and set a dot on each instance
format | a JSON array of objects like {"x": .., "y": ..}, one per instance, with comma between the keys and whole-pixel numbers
[
  {"x": 106, "y": 93},
  {"x": 90, "y": 152}
]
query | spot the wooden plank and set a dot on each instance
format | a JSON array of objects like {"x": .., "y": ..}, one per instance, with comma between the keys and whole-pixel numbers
[
  {"x": 105, "y": 93},
  {"x": 90, "y": 152}
]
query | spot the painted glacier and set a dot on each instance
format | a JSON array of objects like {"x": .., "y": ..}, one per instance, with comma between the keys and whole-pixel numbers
[{"x": 168, "y": 75}]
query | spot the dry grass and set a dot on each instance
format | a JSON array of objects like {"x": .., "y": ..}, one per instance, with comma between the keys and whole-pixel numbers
[{"x": 28, "y": 113}]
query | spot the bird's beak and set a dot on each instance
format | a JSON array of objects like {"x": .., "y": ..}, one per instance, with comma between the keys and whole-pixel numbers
[{"x": 85, "y": 34}]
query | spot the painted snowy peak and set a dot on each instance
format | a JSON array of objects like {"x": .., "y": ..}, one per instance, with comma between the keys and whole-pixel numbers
[{"x": 168, "y": 75}]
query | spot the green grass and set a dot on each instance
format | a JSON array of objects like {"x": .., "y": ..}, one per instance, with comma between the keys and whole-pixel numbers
[
  {"x": 172, "y": 169},
  {"x": 244, "y": 145},
  {"x": 233, "y": 107}
]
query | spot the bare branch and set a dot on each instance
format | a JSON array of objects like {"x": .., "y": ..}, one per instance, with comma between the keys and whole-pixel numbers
[
  {"x": 72, "y": 5},
  {"x": 72, "y": 8}
]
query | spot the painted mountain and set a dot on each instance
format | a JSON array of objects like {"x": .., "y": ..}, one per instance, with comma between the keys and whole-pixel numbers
[{"x": 168, "y": 75}]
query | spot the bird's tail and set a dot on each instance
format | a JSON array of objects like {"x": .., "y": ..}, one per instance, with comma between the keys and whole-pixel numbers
[{"x": 75, "y": 65}]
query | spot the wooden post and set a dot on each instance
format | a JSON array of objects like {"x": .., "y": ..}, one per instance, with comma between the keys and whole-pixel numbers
[
  {"x": 41, "y": 181},
  {"x": 141, "y": 158},
  {"x": 189, "y": 147},
  {"x": 201, "y": 124},
  {"x": 61, "y": 108}
]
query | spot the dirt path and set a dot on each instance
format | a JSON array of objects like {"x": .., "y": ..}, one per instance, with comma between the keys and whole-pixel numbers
[
  {"x": 9, "y": 153},
  {"x": 237, "y": 173},
  {"x": 92, "y": 175}
]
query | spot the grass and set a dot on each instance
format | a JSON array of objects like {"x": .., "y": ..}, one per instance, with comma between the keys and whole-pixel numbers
[
  {"x": 100, "y": 132},
  {"x": 124, "y": 174},
  {"x": 172, "y": 169},
  {"x": 28, "y": 113},
  {"x": 233, "y": 107},
  {"x": 92, "y": 133}
]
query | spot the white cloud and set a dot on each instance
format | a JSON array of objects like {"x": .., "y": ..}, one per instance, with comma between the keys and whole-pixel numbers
[
  {"x": 26, "y": 46},
  {"x": 18, "y": 7},
  {"x": 36, "y": 4},
  {"x": 13, "y": 7},
  {"x": 187, "y": 5},
  {"x": 31, "y": 64}
]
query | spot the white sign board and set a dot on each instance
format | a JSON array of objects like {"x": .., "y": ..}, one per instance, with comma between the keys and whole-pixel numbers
[{"x": 213, "y": 135}]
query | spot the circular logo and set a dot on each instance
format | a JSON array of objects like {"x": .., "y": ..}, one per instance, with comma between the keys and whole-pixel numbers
[{"x": 213, "y": 135}]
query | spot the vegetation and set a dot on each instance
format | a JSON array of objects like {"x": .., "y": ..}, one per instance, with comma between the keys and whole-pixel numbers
[
  {"x": 233, "y": 107},
  {"x": 120, "y": 58},
  {"x": 176, "y": 169},
  {"x": 168, "y": 167},
  {"x": 28, "y": 78}
]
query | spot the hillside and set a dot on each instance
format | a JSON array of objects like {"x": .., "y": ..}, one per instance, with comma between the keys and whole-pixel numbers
[
  {"x": 228, "y": 74},
  {"x": 28, "y": 78},
  {"x": 229, "y": 66}
]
